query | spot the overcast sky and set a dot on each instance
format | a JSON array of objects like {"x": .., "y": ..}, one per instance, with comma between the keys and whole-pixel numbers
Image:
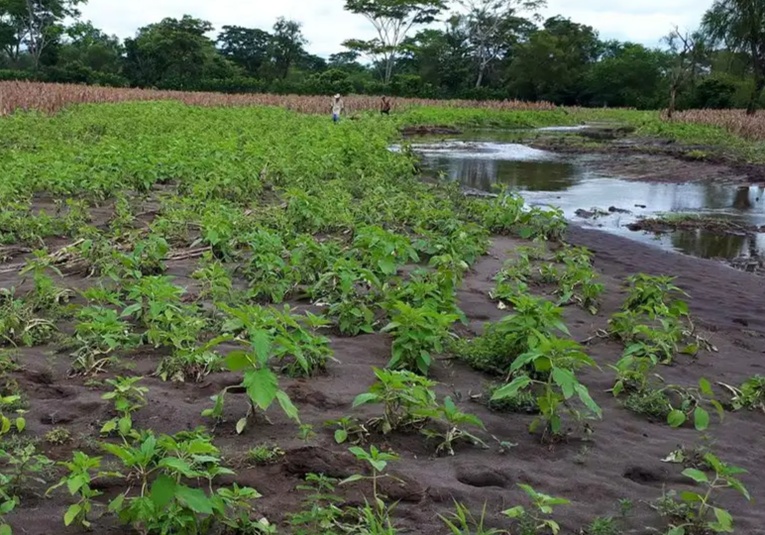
[{"x": 326, "y": 24}]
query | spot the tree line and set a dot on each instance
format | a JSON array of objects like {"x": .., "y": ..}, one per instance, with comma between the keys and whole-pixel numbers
[{"x": 474, "y": 49}]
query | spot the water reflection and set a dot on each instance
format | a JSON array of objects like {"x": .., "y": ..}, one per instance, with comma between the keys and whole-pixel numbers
[{"x": 570, "y": 183}]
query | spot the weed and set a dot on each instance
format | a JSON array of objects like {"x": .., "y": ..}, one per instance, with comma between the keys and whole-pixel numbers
[
  {"x": 58, "y": 436},
  {"x": 127, "y": 399},
  {"x": 462, "y": 522},
  {"x": 263, "y": 454},
  {"x": 455, "y": 421},
  {"x": 750, "y": 395}
]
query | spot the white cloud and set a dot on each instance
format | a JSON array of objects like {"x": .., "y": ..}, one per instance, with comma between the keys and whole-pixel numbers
[{"x": 326, "y": 24}]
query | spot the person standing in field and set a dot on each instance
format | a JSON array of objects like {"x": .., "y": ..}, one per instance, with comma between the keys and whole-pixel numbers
[
  {"x": 337, "y": 108},
  {"x": 385, "y": 106}
]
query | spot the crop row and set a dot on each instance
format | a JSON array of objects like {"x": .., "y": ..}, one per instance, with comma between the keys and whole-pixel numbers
[
  {"x": 50, "y": 98},
  {"x": 291, "y": 233}
]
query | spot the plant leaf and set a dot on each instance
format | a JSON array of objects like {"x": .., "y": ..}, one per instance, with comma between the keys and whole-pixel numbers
[
  {"x": 676, "y": 418},
  {"x": 261, "y": 386},
  {"x": 194, "y": 499},
  {"x": 697, "y": 475},
  {"x": 163, "y": 491}
]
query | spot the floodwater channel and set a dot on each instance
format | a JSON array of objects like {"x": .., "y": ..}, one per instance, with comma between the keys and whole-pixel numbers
[{"x": 481, "y": 160}]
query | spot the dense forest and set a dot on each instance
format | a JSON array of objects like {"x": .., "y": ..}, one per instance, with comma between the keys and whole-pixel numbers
[{"x": 476, "y": 49}]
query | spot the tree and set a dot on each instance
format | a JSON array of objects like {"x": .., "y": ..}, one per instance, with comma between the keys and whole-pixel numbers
[
  {"x": 175, "y": 54},
  {"x": 554, "y": 63},
  {"x": 494, "y": 28},
  {"x": 31, "y": 25},
  {"x": 247, "y": 47},
  {"x": 687, "y": 50},
  {"x": 392, "y": 20},
  {"x": 740, "y": 24},
  {"x": 627, "y": 75},
  {"x": 287, "y": 44}
]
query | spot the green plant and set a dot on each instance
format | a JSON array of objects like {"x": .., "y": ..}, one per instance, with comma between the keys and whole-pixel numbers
[
  {"x": 405, "y": 397},
  {"x": 164, "y": 502},
  {"x": 349, "y": 430},
  {"x": 296, "y": 343},
  {"x": 127, "y": 398},
  {"x": 10, "y": 404},
  {"x": 462, "y": 522},
  {"x": 322, "y": 512},
  {"x": 378, "y": 461},
  {"x": 556, "y": 361},
  {"x": 215, "y": 281},
  {"x": 259, "y": 383},
  {"x": 417, "y": 333},
  {"x": 99, "y": 333},
  {"x": 750, "y": 395},
  {"x": 262, "y": 454},
  {"x": 496, "y": 350},
  {"x": 455, "y": 421},
  {"x": 79, "y": 482},
  {"x": 58, "y": 436},
  {"x": 536, "y": 520},
  {"x": 18, "y": 322},
  {"x": 603, "y": 526},
  {"x": 697, "y": 510},
  {"x": 655, "y": 296}
]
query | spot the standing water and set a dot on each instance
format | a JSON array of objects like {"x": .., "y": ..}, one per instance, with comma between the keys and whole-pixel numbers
[{"x": 571, "y": 184}]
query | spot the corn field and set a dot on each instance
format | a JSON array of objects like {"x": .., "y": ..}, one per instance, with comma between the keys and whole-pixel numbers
[
  {"x": 735, "y": 121},
  {"x": 50, "y": 98}
]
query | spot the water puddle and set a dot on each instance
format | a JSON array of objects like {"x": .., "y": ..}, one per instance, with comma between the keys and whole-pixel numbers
[{"x": 480, "y": 160}]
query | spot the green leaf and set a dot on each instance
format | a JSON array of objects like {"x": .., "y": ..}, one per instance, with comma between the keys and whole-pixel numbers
[
  {"x": 351, "y": 479},
  {"x": 363, "y": 399},
  {"x": 261, "y": 386},
  {"x": 163, "y": 491},
  {"x": 178, "y": 465},
  {"x": 697, "y": 475},
  {"x": 237, "y": 361},
  {"x": 515, "y": 512},
  {"x": 676, "y": 418},
  {"x": 676, "y": 531},
  {"x": 21, "y": 424},
  {"x": 701, "y": 419},
  {"x": 71, "y": 513},
  {"x": 194, "y": 499},
  {"x": 724, "y": 521},
  {"x": 584, "y": 396},
  {"x": 705, "y": 387},
  {"x": 341, "y": 435},
  {"x": 261, "y": 344},
  {"x": 511, "y": 390},
  {"x": 5, "y": 529},
  {"x": 566, "y": 380},
  {"x": 287, "y": 406}
]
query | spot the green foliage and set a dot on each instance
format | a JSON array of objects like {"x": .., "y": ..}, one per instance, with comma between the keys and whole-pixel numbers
[
  {"x": 259, "y": 383},
  {"x": 19, "y": 324},
  {"x": 695, "y": 512},
  {"x": 454, "y": 432},
  {"x": 406, "y": 398},
  {"x": 462, "y": 522},
  {"x": 750, "y": 395},
  {"x": 8, "y": 422},
  {"x": 502, "y": 342},
  {"x": 555, "y": 360},
  {"x": 537, "y": 519},
  {"x": 127, "y": 398},
  {"x": 417, "y": 334}
]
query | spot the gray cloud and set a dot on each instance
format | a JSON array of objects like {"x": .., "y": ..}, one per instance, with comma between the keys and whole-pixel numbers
[{"x": 326, "y": 24}]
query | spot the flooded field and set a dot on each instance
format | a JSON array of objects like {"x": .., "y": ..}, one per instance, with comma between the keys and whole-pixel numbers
[{"x": 481, "y": 161}]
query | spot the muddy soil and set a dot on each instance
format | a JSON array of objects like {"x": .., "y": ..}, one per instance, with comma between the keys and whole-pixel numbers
[
  {"x": 660, "y": 225},
  {"x": 656, "y": 160},
  {"x": 621, "y": 460}
]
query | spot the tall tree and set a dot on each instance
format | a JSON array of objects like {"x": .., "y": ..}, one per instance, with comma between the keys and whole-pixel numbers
[
  {"x": 494, "y": 27},
  {"x": 174, "y": 53},
  {"x": 247, "y": 47},
  {"x": 392, "y": 20},
  {"x": 740, "y": 24},
  {"x": 287, "y": 44},
  {"x": 32, "y": 25},
  {"x": 555, "y": 61},
  {"x": 687, "y": 50}
]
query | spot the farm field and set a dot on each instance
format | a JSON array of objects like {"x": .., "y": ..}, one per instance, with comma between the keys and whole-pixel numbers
[{"x": 251, "y": 320}]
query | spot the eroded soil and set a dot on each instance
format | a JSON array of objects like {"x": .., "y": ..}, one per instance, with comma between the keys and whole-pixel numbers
[{"x": 622, "y": 459}]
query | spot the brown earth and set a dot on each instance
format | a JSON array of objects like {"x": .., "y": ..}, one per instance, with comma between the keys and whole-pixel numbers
[
  {"x": 657, "y": 160},
  {"x": 621, "y": 460}
]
